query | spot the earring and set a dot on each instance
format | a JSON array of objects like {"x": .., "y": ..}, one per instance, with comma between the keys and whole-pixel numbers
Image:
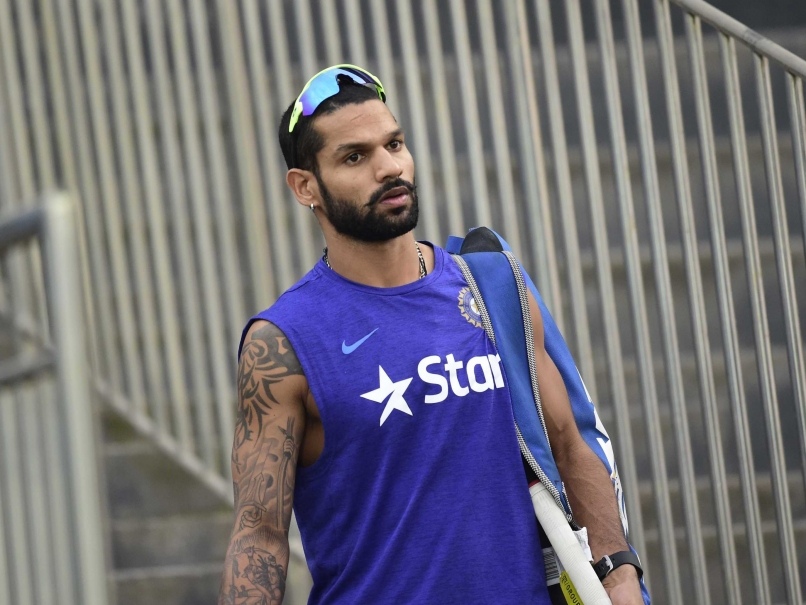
[{"x": 313, "y": 209}]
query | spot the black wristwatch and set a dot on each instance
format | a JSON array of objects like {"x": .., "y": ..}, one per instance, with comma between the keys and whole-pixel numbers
[{"x": 610, "y": 562}]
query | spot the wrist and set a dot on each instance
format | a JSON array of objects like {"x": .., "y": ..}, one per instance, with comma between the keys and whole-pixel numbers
[
  {"x": 609, "y": 564},
  {"x": 622, "y": 575}
]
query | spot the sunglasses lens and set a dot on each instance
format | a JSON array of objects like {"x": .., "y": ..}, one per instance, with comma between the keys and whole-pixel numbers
[{"x": 326, "y": 84}]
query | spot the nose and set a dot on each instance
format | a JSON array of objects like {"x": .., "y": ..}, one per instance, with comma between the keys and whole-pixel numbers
[{"x": 387, "y": 166}]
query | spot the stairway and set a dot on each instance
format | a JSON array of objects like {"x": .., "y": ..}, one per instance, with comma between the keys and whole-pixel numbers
[{"x": 168, "y": 532}]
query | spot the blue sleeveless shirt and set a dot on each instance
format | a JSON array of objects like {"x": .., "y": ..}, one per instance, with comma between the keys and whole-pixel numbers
[{"x": 419, "y": 495}]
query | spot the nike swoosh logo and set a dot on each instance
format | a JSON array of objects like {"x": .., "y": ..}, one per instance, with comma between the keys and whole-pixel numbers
[{"x": 349, "y": 349}]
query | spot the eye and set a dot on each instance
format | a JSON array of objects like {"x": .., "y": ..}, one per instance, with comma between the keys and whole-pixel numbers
[
  {"x": 396, "y": 144},
  {"x": 353, "y": 158}
]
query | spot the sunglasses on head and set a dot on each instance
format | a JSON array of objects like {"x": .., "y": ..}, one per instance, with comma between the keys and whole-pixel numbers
[{"x": 325, "y": 84}]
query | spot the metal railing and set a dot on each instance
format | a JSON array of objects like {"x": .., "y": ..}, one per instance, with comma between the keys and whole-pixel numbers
[
  {"x": 650, "y": 183},
  {"x": 52, "y": 544}
]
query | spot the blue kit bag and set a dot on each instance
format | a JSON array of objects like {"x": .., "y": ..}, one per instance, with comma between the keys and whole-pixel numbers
[{"x": 486, "y": 259}]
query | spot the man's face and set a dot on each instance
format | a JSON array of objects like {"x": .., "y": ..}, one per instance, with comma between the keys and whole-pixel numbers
[{"x": 366, "y": 173}]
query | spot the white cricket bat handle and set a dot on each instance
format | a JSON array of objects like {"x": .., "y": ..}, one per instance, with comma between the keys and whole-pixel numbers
[{"x": 565, "y": 544}]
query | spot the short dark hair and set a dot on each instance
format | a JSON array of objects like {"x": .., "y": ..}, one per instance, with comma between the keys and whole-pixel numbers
[{"x": 301, "y": 146}]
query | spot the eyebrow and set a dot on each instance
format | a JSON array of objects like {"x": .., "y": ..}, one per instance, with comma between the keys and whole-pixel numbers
[{"x": 345, "y": 147}]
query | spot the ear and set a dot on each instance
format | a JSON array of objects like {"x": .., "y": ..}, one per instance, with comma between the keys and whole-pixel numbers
[{"x": 304, "y": 185}]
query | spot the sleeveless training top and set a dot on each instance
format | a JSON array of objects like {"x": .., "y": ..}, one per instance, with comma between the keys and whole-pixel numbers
[{"x": 419, "y": 495}]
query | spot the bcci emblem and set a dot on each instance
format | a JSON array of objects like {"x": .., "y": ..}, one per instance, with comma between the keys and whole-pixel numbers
[{"x": 468, "y": 307}]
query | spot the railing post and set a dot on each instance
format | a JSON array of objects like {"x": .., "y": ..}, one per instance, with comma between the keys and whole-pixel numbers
[{"x": 64, "y": 285}]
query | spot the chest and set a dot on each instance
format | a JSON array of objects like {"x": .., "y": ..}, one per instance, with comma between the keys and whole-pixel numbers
[{"x": 394, "y": 361}]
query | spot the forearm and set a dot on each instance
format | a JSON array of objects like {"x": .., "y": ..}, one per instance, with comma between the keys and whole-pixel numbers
[
  {"x": 256, "y": 565},
  {"x": 592, "y": 498}
]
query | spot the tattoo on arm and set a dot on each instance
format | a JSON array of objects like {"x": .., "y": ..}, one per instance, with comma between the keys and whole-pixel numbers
[
  {"x": 266, "y": 359},
  {"x": 264, "y": 459}
]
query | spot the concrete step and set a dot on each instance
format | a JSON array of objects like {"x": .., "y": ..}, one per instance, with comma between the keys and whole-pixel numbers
[
  {"x": 142, "y": 482},
  {"x": 168, "y": 585},
  {"x": 178, "y": 540}
]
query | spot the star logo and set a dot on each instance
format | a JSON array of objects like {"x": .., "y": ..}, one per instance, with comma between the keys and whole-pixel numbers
[{"x": 393, "y": 390}]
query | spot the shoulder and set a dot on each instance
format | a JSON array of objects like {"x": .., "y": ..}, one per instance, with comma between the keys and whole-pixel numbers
[{"x": 266, "y": 351}]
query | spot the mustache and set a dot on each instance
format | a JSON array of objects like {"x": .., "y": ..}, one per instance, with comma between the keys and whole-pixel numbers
[{"x": 375, "y": 198}]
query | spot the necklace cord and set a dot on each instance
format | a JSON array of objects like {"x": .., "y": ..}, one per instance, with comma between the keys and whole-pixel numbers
[{"x": 423, "y": 270}]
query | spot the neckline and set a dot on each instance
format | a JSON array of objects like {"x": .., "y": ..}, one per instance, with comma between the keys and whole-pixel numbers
[{"x": 434, "y": 274}]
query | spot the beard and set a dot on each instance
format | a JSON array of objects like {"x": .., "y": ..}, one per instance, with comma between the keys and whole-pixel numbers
[{"x": 370, "y": 222}]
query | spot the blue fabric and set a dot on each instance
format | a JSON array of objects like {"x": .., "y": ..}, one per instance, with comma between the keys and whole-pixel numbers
[
  {"x": 496, "y": 282},
  {"x": 427, "y": 507},
  {"x": 500, "y": 293}
]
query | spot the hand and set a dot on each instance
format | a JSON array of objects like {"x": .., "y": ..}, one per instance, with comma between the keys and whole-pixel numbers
[{"x": 622, "y": 586}]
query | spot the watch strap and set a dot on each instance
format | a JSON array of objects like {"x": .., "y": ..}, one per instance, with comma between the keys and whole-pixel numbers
[{"x": 610, "y": 562}]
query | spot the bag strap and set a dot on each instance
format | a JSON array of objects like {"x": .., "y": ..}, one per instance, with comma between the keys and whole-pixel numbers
[{"x": 493, "y": 278}]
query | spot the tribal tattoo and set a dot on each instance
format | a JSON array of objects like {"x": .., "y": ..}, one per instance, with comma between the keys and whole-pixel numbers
[{"x": 266, "y": 359}]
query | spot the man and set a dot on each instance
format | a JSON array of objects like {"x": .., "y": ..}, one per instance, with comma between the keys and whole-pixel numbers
[{"x": 371, "y": 397}]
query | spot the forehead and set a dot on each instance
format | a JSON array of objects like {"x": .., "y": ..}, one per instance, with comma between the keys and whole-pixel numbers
[{"x": 366, "y": 123}]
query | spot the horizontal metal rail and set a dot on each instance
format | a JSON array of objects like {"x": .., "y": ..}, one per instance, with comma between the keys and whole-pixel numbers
[
  {"x": 731, "y": 27},
  {"x": 60, "y": 468}
]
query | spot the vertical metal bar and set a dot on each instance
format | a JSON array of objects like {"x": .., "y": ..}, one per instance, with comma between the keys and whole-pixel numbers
[
  {"x": 110, "y": 197},
  {"x": 41, "y": 134},
  {"x": 305, "y": 33},
  {"x": 797, "y": 115},
  {"x": 593, "y": 179},
  {"x": 218, "y": 171},
  {"x": 688, "y": 230},
  {"x": 383, "y": 53},
  {"x": 538, "y": 201},
  {"x": 109, "y": 366},
  {"x": 495, "y": 102},
  {"x": 59, "y": 515},
  {"x": 421, "y": 148},
  {"x": 310, "y": 66},
  {"x": 783, "y": 252},
  {"x": 467, "y": 84},
  {"x": 132, "y": 196},
  {"x": 674, "y": 373},
  {"x": 243, "y": 131},
  {"x": 267, "y": 140},
  {"x": 330, "y": 23},
  {"x": 5, "y": 578},
  {"x": 183, "y": 245},
  {"x": 565, "y": 193},
  {"x": 36, "y": 492},
  {"x": 205, "y": 249},
  {"x": 24, "y": 287},
  {"x": 513, "y": 13},
  {"x": 62, "y": 261},
  {"x": 31, "y": 398},
  {"x": 355, "y": 25},
  {"x": 285, "y": 90},
  {"x": 154, "y": 201},
  {"x": 744, "y": 189},
  {"x": 21, "y": 562},
  {"x": 638, "y": 302},
  {"x": 65, "y": 157},
  {"x": 442, "y": 115},
  {"x": 16, "y": 109},
  {"x": 8, "y": 566},
  {"x": 36, "y": 98},
  {"x": 29, "y": 541}
]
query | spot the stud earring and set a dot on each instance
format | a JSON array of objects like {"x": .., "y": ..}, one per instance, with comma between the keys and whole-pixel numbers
[{"x": 313, "y": 209}]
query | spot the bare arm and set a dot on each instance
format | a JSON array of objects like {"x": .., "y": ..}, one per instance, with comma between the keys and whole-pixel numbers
[
  {"x": 268, "y": 435},
  {"x": 587, "y": 483}
]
